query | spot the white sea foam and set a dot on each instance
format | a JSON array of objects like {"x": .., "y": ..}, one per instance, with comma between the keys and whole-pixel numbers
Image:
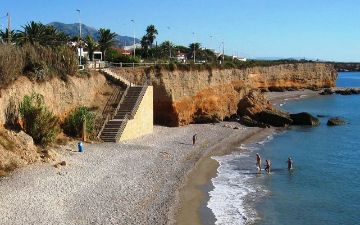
[
  {"x": 267, "y": 139},
  {"x": 230, "y": 189},
  {"x": 303, "y": 96},
  {"x": 250, "y": 147},
  {"x": 232, "y": 186}
]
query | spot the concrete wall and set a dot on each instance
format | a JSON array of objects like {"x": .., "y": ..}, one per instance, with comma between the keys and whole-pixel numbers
[{"x": 143, "y": 121}]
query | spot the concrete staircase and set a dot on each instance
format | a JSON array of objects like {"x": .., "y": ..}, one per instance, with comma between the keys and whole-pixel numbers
[
  {"x": 127, "y": 107},
  {"x": 113, "y": 75}
]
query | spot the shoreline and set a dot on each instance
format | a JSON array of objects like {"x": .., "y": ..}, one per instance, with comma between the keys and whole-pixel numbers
[{"x": 192, "y": 196}]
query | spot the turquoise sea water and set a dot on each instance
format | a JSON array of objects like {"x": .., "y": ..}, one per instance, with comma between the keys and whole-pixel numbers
[{"x": 323, "y": 188}]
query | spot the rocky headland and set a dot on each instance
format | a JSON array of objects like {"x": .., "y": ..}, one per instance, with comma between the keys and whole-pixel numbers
[{"x": 181, "y": 96}]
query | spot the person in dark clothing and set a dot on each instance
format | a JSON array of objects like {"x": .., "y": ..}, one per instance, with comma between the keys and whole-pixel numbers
[
  {"x": 194, "y": 139},
  {"x": 267, "y": 166},
  {"x": 290, "y": 163}
]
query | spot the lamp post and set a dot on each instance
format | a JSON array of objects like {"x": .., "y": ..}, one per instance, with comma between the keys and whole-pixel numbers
[
  {"x": 211, "y": 41},
  {"x": 194, "y": 46},
  {"x": 78, "y": 10},
  {"x": 169, "y": 45},
  {"x": 133, "y": 21}
]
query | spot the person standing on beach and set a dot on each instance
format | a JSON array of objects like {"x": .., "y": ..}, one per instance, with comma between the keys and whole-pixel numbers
[
  {"x": 258, "y": 162},
  {"x": 267, "y": 166},
  {"x": 290, "y": 163},
  {"x": 194, "y": 139}
]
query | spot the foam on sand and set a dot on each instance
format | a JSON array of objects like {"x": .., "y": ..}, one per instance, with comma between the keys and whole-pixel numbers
[{"x": 230, "y": 189}]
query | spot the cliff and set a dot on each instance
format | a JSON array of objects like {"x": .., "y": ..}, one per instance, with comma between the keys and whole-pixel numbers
[
  {"x": 180, "y": 95},
  {"x": 60, "y": 96}
]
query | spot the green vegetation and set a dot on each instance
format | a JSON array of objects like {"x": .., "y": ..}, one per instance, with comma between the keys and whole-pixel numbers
[
  {"x": 73, "y": 123},
  {"x": 147, "y": 40},
  {"x": 38, "y": 33},
  {"x": 39, "y": 51},
  {"x": 39, "y": 122},
  {"x": 91, "y": 45},
  {"x": 39, "y": 63},
  {"x": 106, "y": 40},
  {"x": 115, "y": 56}
]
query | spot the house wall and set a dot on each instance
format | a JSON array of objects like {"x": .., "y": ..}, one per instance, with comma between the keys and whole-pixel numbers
[{"x": 143, "y": 121}]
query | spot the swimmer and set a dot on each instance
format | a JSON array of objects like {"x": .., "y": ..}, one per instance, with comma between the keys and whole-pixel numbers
[
  {"x": 267, "y": 166},
  {"x": 258, "y": 162},
  {"x": 290, "y": 163}
]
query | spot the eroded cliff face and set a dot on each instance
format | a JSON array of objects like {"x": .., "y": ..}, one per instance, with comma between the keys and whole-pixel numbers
[
  {"x": 60, "y": 97},
  {"x": 179, "y": 96}
]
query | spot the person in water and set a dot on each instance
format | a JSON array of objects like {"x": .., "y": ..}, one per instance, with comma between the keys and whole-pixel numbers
[
  {"x": 267, "y": 166},
  {"x": 290, "y": 163},
  {"x": 258, "y": 162}
]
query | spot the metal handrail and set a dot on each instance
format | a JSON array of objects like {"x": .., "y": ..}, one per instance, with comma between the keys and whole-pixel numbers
[
  {"x": 121, "y": 100},
  {"x": 113, "y": 97},
  {"x": 138, "y": 100},
  {"x": 103, "y": 126},
  {"x": 122, "y": 126}
]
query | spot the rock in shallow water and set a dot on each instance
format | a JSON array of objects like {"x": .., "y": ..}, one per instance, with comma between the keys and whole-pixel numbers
[
  {"x": 304, "y": 118},
  {"x": 275, "y": 118},
  {"x": 335, "y": 121}
]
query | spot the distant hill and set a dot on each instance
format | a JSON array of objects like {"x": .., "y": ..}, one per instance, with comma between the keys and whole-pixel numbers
[{"x": 73, "y": 30}]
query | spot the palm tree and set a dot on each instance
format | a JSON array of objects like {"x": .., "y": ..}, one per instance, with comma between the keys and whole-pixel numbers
[
  {"x": 8, "y": 37},
  {"x": 91, "y": 46},
  {"x": 151, "y": 33},
  {"x": 194, "y": 47},
  {"x": 145, "y": 44},
  {"x": 166, "y": 48},
  {"x": 38, "y": 33},
  {"x": 106, "y": 40}
]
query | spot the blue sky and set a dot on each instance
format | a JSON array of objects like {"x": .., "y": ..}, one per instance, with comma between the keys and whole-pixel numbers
[{"x": 315, "y": 29}]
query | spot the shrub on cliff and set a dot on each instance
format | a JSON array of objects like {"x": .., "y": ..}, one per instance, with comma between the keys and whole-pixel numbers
[
  {"x": 73, "y": 123},
  {"x": 11, "y": 64},
  {"x": 38, "y": 63},
  {"x": 41, "y": 124}
]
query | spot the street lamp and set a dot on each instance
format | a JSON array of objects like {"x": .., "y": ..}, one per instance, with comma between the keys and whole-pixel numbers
[
  {"x": 133, "y": 21},
  {"x": 169, "y": 45},
  {"x": 78, "y": 10},
  {"x": 194, "y": 45}
]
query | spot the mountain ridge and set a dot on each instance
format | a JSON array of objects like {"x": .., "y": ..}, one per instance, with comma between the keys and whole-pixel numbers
[{"x": 72, "y": 29}]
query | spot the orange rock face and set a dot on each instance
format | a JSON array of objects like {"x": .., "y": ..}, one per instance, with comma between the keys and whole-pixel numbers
[{"x": 179, "y": 96}]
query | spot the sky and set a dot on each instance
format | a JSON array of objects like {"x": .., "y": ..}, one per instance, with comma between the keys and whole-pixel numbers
[{"x": 311, "y": 29}]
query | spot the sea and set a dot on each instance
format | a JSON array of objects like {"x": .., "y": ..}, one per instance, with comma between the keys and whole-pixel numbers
[{"x": 324, "y": 186}]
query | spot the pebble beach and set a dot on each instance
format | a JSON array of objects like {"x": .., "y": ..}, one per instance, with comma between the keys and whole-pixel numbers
[{"x": 133, "y": 182}]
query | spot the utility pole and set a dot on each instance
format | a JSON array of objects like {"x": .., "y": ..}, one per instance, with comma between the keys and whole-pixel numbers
[
  {"x": 133, "y": 21},
  {"x": 9, "y": 28},
  {"x": 78, "y": 10}
]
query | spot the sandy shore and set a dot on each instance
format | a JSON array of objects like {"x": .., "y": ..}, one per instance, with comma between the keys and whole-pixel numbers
[
  {"x": 129, "y": 183},
  {"x": 280, "y": 97}
]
